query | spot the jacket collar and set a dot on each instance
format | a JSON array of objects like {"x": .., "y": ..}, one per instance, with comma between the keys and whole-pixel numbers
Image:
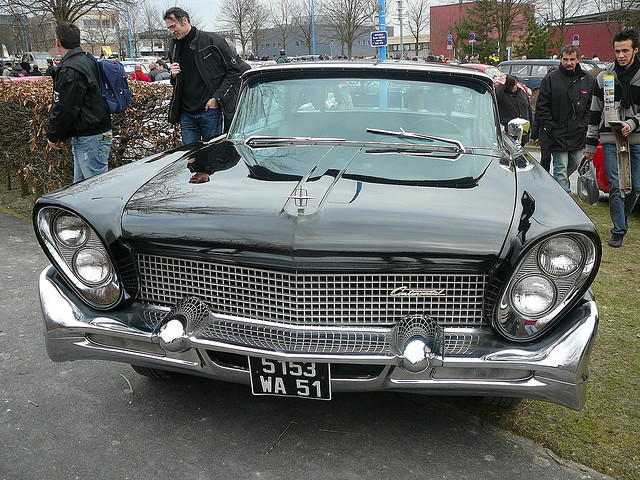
[{"x": 71, "y": 53}]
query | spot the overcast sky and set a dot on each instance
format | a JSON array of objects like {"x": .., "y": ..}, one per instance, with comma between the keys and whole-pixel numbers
[{"x": 206, "y": 11}]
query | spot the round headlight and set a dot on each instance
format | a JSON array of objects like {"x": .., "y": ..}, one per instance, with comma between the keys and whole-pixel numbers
[
  {"x": 560, "y": 256},
  {"x": 533, "y": 295},
  {"x": 92, "y": 266},
  {"x": 70, "y": 230}
]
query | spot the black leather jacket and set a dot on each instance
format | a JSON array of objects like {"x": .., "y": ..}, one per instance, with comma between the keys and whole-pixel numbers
[
  {"x": 77, "y": 109},
  {"x": 217, "y": 67},
  {"x": 563, "y": 107}
]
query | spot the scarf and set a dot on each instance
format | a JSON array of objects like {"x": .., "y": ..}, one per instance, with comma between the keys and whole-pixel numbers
[{"x": 625, "y": 75}]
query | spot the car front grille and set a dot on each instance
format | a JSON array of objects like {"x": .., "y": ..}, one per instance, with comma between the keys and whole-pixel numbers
[{"x": 307, "y": 299}]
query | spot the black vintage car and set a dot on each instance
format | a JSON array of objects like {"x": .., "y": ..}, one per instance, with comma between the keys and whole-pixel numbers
[{"x": 360, "y": 227}]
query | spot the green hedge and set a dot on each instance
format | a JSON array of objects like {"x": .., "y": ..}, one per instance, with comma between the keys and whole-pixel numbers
[{"x": 24, "y": 112}]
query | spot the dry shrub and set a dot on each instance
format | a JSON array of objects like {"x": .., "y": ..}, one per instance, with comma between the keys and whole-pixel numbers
[{"x": 138, "y": 132}]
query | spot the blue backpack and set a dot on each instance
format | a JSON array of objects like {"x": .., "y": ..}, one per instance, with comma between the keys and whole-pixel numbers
[{"x": 113, "y": 85}]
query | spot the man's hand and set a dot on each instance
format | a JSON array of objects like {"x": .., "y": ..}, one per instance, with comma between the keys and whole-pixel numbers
[
  {"x": 589, "y": 156},
  {"x": 626, "y": 129},
  {"x": 53, "y": 146},
  {"x": 212, "y": 103},
  {"x": 175, "y": 68}
]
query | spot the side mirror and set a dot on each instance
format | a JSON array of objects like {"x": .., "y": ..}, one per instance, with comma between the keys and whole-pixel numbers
[{"x": 517, "y": 127}]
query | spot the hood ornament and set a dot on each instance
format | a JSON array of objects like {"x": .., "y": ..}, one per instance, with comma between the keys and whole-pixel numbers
[{"x": 301, "y": 198}]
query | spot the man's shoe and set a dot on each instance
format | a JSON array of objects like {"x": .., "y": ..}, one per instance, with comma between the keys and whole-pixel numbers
[{"x": 616, "y": 240}]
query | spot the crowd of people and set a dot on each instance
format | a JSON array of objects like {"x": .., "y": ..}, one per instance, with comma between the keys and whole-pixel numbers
[
  {"x": 573, "y": 114},
  {"x": 24, "y": 68}
]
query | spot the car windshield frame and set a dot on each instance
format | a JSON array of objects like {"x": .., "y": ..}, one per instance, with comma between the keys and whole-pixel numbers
[
  {"x": 459, "y": 109},
  {"x": 276, "y": 142}
]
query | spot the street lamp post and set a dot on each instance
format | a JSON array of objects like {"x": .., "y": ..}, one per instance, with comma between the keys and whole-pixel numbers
[
  {"x": 129, "y": 26},
  {"x": 382, "y": 25},
  {"x": 313, "y": 28}
]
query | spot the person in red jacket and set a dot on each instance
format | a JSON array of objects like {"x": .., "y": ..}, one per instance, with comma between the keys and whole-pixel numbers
[{"x": 140, "y": 75}]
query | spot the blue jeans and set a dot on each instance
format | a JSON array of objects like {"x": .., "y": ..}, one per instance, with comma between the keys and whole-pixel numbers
[
  {"x": 90, "y": 155},
  {"x": 564, "y": 164},
  {"x": 200, "y": 126},
  {"x": 620, "y": 208}
]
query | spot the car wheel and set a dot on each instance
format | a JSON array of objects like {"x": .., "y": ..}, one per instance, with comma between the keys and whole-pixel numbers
[
  {"x": 152, "y": 372},
  {"x": 501, "y": 401}
]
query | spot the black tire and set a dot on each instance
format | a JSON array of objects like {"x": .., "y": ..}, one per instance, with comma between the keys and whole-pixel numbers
[
  {"x": 501, "y": 401},
  {"x": 152, "y": 372}
]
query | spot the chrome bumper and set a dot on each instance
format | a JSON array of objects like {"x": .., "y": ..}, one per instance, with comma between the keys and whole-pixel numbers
[{"x": 553, "y": 369}]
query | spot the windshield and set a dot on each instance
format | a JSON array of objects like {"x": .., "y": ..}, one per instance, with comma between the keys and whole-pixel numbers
[{"x": 354, "y": 109}]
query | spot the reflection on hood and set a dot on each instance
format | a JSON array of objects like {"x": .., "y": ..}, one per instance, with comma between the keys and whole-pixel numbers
[{"x": 211, "y": 159}]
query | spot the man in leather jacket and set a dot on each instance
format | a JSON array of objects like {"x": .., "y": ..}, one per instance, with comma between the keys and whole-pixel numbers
[
  {"x": 563, "y": 109},
  {"x": 78, "y": 110},
  {"x": 205, "y": 78}
]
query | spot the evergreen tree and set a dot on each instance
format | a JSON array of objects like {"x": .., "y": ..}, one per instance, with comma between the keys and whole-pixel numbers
[{"x": 537, "y": 43}]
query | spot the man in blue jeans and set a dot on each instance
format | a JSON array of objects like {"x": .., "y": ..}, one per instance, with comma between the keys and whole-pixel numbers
[
  {"x": 626, "y": 72},
  {"x": 78, "y": 110},
  {"x": 563, "y": 109},
  {"x": 205, "y": 77}
]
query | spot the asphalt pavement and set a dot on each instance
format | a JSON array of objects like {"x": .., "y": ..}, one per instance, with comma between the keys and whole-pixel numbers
[{"x": 100, "y": 420}]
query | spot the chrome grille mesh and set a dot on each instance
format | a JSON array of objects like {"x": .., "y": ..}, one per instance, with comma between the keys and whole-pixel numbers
[
  {"x": 310, "y": 299},
  {"x": 288, "y": 340}
]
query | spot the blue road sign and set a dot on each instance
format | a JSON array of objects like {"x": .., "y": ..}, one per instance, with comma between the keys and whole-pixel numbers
[
  {"x": 472, "y": 36},
  {"x": 379, "y": 39},
  {"x": 449, "y": 37}
]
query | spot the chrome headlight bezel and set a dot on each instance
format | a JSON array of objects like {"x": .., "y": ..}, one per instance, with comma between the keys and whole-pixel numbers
[
  {"x": 563, "y": 263},
  {"x": 65, "y": 247}
]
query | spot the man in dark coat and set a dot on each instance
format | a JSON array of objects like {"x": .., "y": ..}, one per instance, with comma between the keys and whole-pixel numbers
[
  {"x": 563, "y": 106},
  {"x": 513, "y": 102},
  {"x": 78, "y": 110},
  {"x": 205, "y": 78}
]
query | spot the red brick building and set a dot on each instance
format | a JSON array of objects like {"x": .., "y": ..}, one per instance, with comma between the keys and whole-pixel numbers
[
  {"x": 595, "y": 35},
  {"x": 443, "y": 21}
]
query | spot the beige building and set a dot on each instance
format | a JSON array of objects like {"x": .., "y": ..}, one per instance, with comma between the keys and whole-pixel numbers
[{"x": 409, "y": 44}]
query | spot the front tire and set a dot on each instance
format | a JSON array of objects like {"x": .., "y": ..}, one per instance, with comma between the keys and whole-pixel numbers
[
  {"x": 501, "y": 401},
  {"x": 152, "y": 372}
]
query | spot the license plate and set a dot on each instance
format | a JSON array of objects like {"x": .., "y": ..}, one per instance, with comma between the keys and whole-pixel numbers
[{"x": 290, "y": 379}]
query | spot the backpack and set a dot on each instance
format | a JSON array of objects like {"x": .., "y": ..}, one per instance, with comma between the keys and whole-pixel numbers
[{"x": 113, "y": 85}]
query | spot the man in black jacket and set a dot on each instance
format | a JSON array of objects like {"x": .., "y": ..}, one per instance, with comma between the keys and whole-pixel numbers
[
  {"x": 563, "y": 109},
  {"x": 78, "y": 110},
  {"x": 205, "y": 78}
]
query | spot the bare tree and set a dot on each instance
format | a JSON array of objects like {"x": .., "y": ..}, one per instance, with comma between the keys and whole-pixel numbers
[
  {"x": 619, "y": 13},
  {"x": 237, "y": 15},
  {"x": 60, "y": 10},
  {"x": 500, "y": 18},
  {"x": 258, "y": 22},
  {"x": 557, "y": 13},
  {"x": 151, "y": 22},
  {"x": 99, "y": 29},
  {"x": 347, "y": 19},
  {"x": 302, "y": 21},
  {"x": 417, "y": 19},
  {"x": 282, "y": 16}
]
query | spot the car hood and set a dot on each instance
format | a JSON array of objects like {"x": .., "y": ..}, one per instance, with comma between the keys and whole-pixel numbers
[{"x": 333, "y": 208}]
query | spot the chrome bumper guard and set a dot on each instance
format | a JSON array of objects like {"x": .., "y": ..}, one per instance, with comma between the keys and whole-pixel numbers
[{"x": 553, "y": 369}]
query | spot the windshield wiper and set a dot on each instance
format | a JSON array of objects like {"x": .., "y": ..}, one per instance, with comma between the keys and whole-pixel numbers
[
  {"x": 262, "y": 141},
  {"x": 418, "y": 136}
]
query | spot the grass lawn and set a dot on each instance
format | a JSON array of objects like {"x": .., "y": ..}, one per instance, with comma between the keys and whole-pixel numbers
[{"x": 605, "y": 435}]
